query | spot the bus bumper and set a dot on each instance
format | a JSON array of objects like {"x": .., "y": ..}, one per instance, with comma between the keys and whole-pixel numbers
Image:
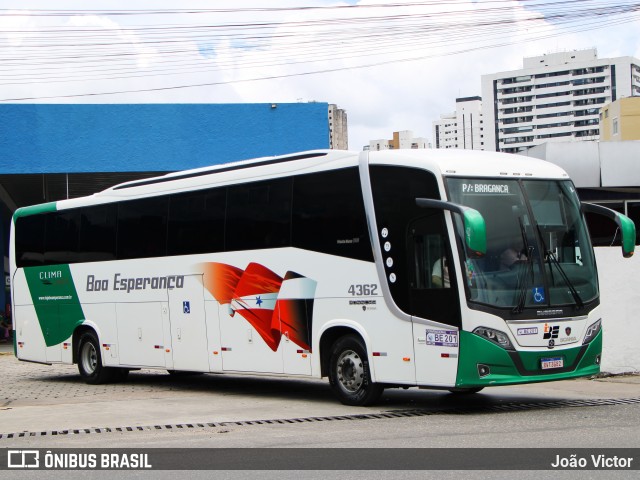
[{"x": 484, "y": 364}]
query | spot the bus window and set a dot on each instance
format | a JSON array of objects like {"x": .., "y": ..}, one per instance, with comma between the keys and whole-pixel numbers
[
  {"x": 416, "y": 239},
  {"x": 142, "y": 228},
  {"x": 196, "y": 222},
  {"x": 97, "y": 233},
  {"x": 62, "y": 230},
  {"x": 259, "y": 215},
  {"x": 329, "y": 216},
  {"x": 30, "y": 240},
  {"x": 432, "y": 276}
]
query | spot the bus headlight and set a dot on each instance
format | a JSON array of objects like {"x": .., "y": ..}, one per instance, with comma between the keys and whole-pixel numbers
[
  {"x": 495, "y": 336},
  {"x": 592, "y": 331}
]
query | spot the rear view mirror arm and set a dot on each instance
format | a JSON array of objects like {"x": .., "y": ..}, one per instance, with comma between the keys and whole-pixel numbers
[{"x": 475, "y": 231}]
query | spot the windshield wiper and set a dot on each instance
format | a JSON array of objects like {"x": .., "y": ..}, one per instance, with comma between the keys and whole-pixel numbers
[
  {"x": 551, "y": 257},
  {"x": 521, "y": 284}
]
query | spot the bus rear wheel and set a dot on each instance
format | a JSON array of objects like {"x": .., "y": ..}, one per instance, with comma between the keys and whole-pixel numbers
[
  {"x": 90, "y": 361},
  {"x": 349, "y": 374}
]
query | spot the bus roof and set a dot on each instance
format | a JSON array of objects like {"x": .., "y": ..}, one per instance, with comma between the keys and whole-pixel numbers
[
  {"x": 471, "y": 163},
  {"x": 441, "y": 162},
  {"x": 224, "y": 174}
]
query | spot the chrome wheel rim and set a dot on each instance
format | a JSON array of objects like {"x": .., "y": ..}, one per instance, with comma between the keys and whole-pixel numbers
[
  {"x": 89, "y": 358},
  {"x": 350, "y": 371}
]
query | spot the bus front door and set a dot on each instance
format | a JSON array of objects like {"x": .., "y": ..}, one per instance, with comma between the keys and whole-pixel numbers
[
  {"x": 188, "y": 325},
  {"x": 434, "y": 301}
]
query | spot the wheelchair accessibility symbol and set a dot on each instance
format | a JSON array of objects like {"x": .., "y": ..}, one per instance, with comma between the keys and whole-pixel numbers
[
  {"x": 538, "y": 294},
  {"x": 186, "y": 307}
]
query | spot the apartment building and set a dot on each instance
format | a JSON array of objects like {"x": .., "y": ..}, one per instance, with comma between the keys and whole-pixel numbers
[
  {"x": 463, "y": 128},
  {"x": 554, "y": 97}
]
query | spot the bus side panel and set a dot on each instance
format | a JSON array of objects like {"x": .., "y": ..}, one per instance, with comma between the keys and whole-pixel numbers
[
  {"x": 189, "y": 342},
  {"x": 213, "y": 333},
  {"x": 103, "y": 315},
  {"x": 29, "y": 338},
  {"x": 388, "y": 339},
  {"x": 243, "y": 348},
  {"x": 141, "y": 333},
  {"x": 295, "y": 360},
  {"x": 437, "y": 351},
  {"x": 392, "y": 338},
  {"x": 294, "y": 309},
  {"x": 50, "y": 319},
  {"x": 348, "y": 294}
]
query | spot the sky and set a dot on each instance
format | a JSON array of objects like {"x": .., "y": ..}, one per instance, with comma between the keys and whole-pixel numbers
[{"x": 391, "y": 65}]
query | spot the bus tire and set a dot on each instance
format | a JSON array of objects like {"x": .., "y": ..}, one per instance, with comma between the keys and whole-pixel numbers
[
  {"x": 349, "y": 374},
  {"x": 90, "y": 360}
]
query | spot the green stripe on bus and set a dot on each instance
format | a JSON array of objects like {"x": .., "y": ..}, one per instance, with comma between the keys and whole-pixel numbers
[
  {"x": 34, "y": 210},
  {"x": 55, "y": 300}
]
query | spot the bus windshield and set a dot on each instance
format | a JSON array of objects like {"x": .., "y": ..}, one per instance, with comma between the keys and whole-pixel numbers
[{"x": 538, "y": 249}]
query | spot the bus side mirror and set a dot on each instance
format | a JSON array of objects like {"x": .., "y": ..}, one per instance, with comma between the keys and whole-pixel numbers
[
  {"x": 475, "y": 230},
  {"x": 625, "y": 224}
]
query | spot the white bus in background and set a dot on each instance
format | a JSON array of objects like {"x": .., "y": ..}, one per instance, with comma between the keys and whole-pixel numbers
[{"x": 441, "y": 269}]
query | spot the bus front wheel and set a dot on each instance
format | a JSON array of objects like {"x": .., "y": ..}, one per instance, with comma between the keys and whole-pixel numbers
[
  {"x": 349, "y": 373},
  {"x": 90, "y": 361}
]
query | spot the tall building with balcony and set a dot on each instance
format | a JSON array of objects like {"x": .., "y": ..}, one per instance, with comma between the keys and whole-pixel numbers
[
  {"x": 463, "y": 128},
  {"x": 554, "y": 97}
]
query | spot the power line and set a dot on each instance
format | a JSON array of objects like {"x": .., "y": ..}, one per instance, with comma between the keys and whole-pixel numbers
[{"x": 97, "y": 54}]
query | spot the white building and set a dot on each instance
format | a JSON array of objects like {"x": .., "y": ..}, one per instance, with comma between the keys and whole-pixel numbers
[
  {"x": 554, "y": 97},
  {"x": 401, "y": 140},
  {"x": 463, "y": 128}
]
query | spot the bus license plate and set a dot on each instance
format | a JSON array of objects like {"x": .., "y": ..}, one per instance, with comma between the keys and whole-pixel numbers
[{"x": 555, "y": 362}]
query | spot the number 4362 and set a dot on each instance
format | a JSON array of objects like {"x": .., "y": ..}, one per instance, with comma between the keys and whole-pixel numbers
[{"x": 365, "y": 289}]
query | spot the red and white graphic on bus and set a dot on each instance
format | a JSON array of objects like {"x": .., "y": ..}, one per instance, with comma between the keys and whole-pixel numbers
[{"x": 273, "y": 305}]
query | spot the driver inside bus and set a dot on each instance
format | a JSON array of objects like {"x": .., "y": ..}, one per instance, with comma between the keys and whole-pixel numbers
[
  {"x": 440, "y": 274},
  {"x": 510, "y": 258}
]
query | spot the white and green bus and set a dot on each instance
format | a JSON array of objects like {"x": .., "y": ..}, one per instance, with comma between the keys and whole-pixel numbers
[{"x": 440, "y": 269}]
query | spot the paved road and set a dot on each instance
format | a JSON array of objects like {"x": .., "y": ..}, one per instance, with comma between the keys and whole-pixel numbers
[
  {"x": 50, "y": 407},
  {"x": 43, "y": 398}
]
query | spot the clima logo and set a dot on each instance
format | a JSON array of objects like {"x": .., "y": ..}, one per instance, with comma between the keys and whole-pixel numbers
[{"x": 23, "y": 459}]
